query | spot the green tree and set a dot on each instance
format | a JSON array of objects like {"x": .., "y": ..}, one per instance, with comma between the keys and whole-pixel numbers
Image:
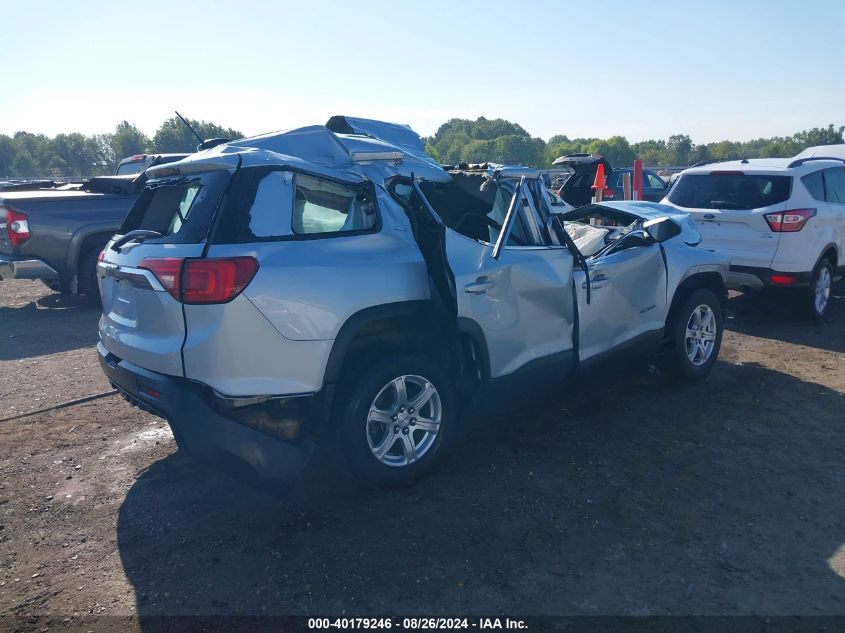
[
  {"x": 127, "y": 140},
  {"x": 464, "y": 140},
  {"x": 829, "y": 135},
  {"x": 679, "y": 149},
  {"x": 652, "y": 152},
  {"x": 174, "y": 136},
  {"x": 616, "y": 150},
  {"x": 24, "y": 165},
  {"x": 8, "y": 152}
]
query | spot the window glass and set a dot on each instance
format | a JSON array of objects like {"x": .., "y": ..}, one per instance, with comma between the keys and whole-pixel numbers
[
  {"x": 729, "y": 191},
  {"x": 654, "y": 181},
  {"x": 814, "y": 184},
  {"x": 322, "y": 206},
  {"x": 475, "y": 206},
  {"x": 179, "y": 208},
  {"x": 131, "y": 168},
  {"x": 834, "y": 185}
]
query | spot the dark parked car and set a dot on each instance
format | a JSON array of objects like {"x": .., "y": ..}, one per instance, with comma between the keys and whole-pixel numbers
[{"x": 578, "y": 188}]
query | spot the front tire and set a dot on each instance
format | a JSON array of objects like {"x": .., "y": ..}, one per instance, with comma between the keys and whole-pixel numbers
[
  {"x": 821, "y": 288},
  {"x": 694, "y": 332},
  {"x": 397, "y": 421}
]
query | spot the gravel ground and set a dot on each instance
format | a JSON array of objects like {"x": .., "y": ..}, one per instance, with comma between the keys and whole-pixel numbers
[{"x": 632, "y": 497}]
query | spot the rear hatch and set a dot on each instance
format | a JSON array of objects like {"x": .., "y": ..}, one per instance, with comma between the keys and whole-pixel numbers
[
  {"x": 140, "y": 269},
  {"x": 578, "y": 188},
  {"x": 729, "y": 208}
]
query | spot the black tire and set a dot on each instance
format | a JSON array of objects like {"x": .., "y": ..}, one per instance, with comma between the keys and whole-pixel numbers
[
  {"x": 675, "y": 362},
  {"x": 810, "y": 296},
  {"x": 356, "y": 432},
  {"x": 87, "y": 285}
]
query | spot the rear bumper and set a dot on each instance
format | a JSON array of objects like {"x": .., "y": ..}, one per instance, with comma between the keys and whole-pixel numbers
[
  {"x": 749, "y": 277},
  {"x": 203, "y": 431},
  {"x": 25, "y": 268}
]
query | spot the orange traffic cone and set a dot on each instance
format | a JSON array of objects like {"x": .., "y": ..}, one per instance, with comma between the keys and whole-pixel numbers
[{"x": 599, "y": 183}]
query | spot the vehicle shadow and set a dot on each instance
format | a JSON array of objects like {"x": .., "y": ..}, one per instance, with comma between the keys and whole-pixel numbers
[
  {"x": 52, "y": 323},
  {"x": 776, "y": 316},
  {"x": 631, "y": 497}
]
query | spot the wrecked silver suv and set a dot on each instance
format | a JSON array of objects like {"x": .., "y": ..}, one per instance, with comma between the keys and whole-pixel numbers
[{"x": 335, "y": 285}]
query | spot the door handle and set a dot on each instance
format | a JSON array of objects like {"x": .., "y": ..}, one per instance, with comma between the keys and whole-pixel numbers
[
  {"x": 599, "y": 281},
  {"x": 479, "y": 286}
]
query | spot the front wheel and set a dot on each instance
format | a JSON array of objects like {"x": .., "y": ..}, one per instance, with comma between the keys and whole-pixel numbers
[
  {"x": 398, "y": 418},
  {"x": 694, "y": 333}
]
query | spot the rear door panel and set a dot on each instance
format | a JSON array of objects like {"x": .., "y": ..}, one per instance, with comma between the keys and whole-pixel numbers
[{"x": 527, "y": 312}]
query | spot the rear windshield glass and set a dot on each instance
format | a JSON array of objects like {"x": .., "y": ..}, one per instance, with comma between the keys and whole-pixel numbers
[
  {"x": 130, "y": 168},
  {"x": 180, "y": 208},
  {"x": 730, "y": 191}
]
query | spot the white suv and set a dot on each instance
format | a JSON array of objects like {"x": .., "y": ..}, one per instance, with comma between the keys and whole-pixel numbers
[{"x": 780, "y": 220}]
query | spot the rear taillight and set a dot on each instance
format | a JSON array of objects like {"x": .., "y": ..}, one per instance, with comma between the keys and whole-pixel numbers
[
  {"x": 168, "y": 271},
  {"x": 608, "y": 194},
  {"x": 789, "y": 221},
  {"x": 17, "y": 227},
  {"x": 203, "y": 280}
]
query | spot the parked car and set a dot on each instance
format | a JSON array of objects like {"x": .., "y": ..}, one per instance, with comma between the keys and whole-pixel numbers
[
  {"x": 141, "y": 162},
  {"x": 53, "y": 231},
  {"x": 334, "y": 285},
  {"x": 578, "y": 190},
  {"x": 821, "y": 151},
  {"x": 55, "y": 234},
  {"x": 781, "y": 221}
]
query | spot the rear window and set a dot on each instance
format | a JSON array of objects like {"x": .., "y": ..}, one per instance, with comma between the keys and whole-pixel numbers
[
  {"x": 130, "y": 168},
  {"x": 730, "y": 191},
  {"x": 814, "y": 184},
  {"x": 180, "y": 208}
]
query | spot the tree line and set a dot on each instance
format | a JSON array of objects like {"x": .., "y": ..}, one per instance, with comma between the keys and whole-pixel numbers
[
  {"x": 497, "y": 140},
  {"x": 26, "y": 155},
  {"x": 75, "y": 155}
]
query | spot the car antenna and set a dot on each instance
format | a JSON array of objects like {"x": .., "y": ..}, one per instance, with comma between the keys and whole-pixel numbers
[{"x": 188, "y": 125}]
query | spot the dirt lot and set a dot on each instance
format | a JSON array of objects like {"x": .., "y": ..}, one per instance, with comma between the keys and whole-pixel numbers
[{"x": 632, "y": 497}]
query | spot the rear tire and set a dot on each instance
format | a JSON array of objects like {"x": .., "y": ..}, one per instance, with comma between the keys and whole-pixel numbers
[
  {"x": 821, "y": 289},
  {"x": 397, "y": 420},
  {"x": 87, "y": 275},
  {"x": 694, "y": 330}
]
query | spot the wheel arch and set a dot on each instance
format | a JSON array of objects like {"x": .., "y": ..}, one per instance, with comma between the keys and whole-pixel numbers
[
  {"x": 85, "y": 238},
  {"x": 710, "y": 280},
  {"x": 406, "y": 325},
  {"x": 830, "y": 252}
]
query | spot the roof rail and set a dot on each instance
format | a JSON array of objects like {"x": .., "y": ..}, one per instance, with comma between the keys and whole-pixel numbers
[{"x": 801, "y": 161}]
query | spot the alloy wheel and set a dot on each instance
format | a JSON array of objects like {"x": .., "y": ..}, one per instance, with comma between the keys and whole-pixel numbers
[
  {"x": 700, "y": 339},
  {"x": 404, "y": 420},
  {"x": 821, "y": 290}
]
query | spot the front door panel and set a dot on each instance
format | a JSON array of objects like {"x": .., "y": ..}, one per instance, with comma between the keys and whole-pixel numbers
[{"x": 627, "y": 298}]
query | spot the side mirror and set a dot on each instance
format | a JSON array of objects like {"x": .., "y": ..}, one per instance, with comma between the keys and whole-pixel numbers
[
  {"x": 638, "y": 237},
  {"x": 662, "y": 229}
]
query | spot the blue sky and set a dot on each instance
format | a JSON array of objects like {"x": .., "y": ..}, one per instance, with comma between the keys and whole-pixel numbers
[{"x": 713, "y": 69}]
